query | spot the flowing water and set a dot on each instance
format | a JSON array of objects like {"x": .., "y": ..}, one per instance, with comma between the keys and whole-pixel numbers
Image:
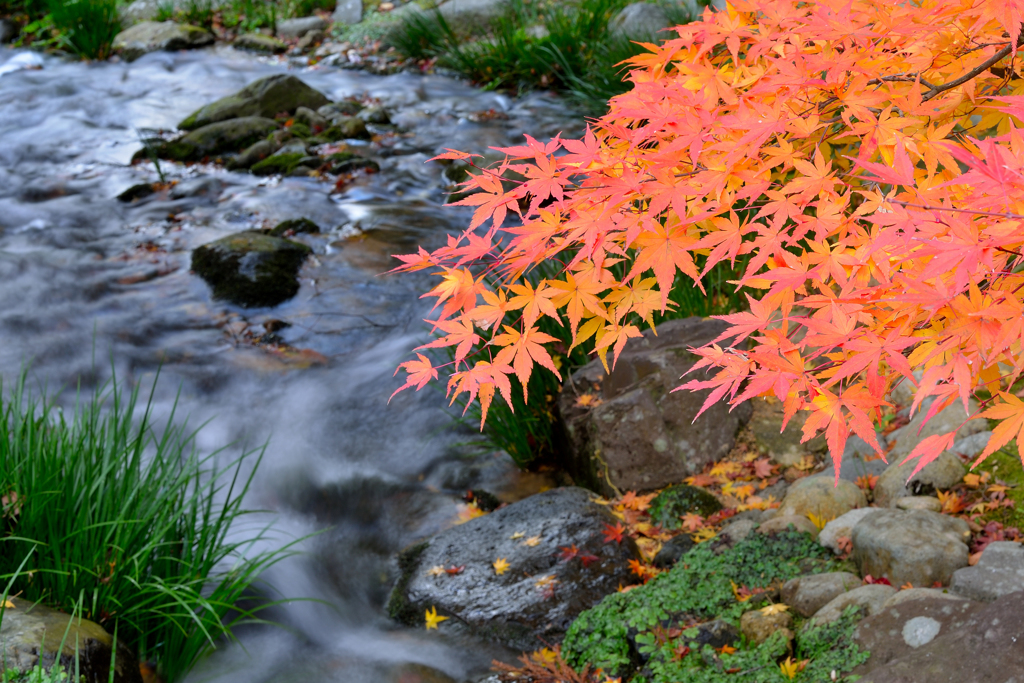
[{"x": 90, "y": 286}]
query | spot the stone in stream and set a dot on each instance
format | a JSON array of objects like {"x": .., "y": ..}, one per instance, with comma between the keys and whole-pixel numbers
[
  {"x": 136, "y": 192},
  {"x": 986, "y": 645},
  {"x": 291, "y": 157},
  {"x": 266, "y": 97},
  {"x": 999, "y": 571},
  {"x": 634, "y": 432},
  {"x": 559, "y": 565},
  {"x": 295, "y": 226},
  {"x": 918, "y": 547},
  {"x": 375, "y": 114},
  {"x": 309, "y": 117},
  {"x": 152, "y": 36},
  {"x": 344, "y": 108},
  {"x": 293, "y": 29},
  {"x": 251, "y": 268},
  {"x": 31, "y": 634},
  {"x": 254, "y": 153},
  {"x": 346, "y": 128},
  {"x": 346, "y": 162},
  {"x": 257, "y": 42},
  {"x": 223, "y": 137}
]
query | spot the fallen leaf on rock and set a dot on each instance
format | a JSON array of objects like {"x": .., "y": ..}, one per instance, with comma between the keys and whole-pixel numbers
[
  {"x": 433, "y": 618},
  {"x": 532, "y": 541},
  {"x": 500, "y": 566},
  {"x": 702, "y": 535},
  {"x": 453, "y": 570},
  {"x": 436, "y": 571},
  {"x": 613, "y": 533},
  {"x": 517, "y": 535},
  {"x": 777, "y": 608}
]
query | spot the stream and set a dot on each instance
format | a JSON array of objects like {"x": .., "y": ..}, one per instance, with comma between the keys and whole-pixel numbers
[{"x": 90, "y": 287}]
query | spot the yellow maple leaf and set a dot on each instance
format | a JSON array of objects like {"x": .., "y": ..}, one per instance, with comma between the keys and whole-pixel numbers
[
  {"x": 972, "y": 480},
  {"x": 517, "y": 535},
  {"x": 545, "y": 581},
  {"x": 544, "y": 656},
  {"x": 532, "y": 541},
  {"x": 791, "y": 668},
  {"x": 433, "y": 618},
  {"x": 587, "y": 401},
  {"x": 500, "y": 566},
  {"x": 9, "y": 605},
  {"x": 701, "y": 535},
  {"x": 777, "y": 608},
  {"x": 724, "y": 469},
  {"x": 436, "y": 571},
  {"x": 819, "y": 521}
]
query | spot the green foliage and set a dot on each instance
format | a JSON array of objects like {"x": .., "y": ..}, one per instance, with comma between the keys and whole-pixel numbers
[
  {"x": 250, "y": 15},
  {"x": 37, "y": 674},
  {"x": 700, "y": 586},
  {"x": 125, "y": 523},
  {"x": 197, "y": 13},
  {"x": 87, "y": 27},
  {"x": 675, "y": 501}
]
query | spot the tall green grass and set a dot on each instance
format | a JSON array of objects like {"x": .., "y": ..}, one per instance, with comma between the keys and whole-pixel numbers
[
  {"x": 88, "y": 27},
  {"x": 122, "y": 519}
]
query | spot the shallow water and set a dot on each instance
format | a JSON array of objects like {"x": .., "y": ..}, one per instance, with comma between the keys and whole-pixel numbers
[{"x": 89, "y": 285}]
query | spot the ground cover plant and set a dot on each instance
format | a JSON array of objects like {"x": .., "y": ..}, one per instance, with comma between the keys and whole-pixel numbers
[
  {"x": 109, "y": 515},
  {"x": 866, "y": 158}
]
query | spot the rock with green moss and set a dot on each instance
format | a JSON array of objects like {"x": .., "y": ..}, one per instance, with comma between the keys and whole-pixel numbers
[
  {"x": 32, "y": 635},
  {"x": 346, "y": 162},
  {"x": 257, "y": 42},
  {"x": 266, "y": 97},
  {"x": 339, "y": 109},
  {"x": 252, "y": 154},
  {"x": 346, "y": 128},
  {"x": 251, "y": 268},
  {"x": 217, "y": 138},
  {"x": 151, "y": 36},
  {"x": 280, "y": 164},
  {"x": 295, "y": 226},
  {"x": 676, "y": 501}
]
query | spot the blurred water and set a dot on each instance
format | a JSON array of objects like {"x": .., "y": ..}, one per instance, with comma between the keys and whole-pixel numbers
[{"x": 88, "y": 284}]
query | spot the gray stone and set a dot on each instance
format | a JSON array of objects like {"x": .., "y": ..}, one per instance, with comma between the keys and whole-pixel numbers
[
  {"x": 808, "y": 594},
  {"x": 976, "y": 643},
  {"x": 757, "y": 626},
  {"x": 196, "y": 187},
  {"x": 32, "y": 634},
  {"x": 252, "y": 155},
  {"x": 912, "y": 594},
  {"x": 870, "y": 598},
  {"x": 734, "y": 532},
  {"x": 293, "y": 29},
  {"x": 250, "y": 268},
  {"x": 257, "y": 42},
  {"x": 309, "y": 117},
  {"x": 472, "y": 17},
  {"x": 919, "y": 503},
  {"x": 904, "y": 439},
  {"x": 217, "y": 138},
  {"x": 842, "y": 527},
  {"x": 540, "y": 593},
  {"x": 972, "y": 445},
  {"x": 782, "y": 522},
  {"x": 309, "y": 41},
  {"x": 266, "y": 97},
  {"x": 8, "y": 31},
  {"x": 999, "y": 571},
  {"x": 916, "y": 547},
  {"x": 340, "y": 110},
  {"x": 672, "y": 550},
  {"x": 859, "y": 460},
  {"x": 942, "y": 473},
  {"x": 783, "y": 446},
  {"x": 822, "y": 497},
  {"x": 348, "y": 12},
  {"x": 642, "y": 436},
  {"x": 640, "y": 20},
  {"x": 151, "y": 36},
  {"x": 148, "y": 10},
  {"x": 375, "y": 114}
]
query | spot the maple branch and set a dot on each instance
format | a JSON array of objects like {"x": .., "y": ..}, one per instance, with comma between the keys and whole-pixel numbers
[{"x": 973, "y": 73}]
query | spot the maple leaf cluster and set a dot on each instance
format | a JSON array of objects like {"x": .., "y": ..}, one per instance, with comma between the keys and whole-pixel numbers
[{"x": 863, "y": 159}]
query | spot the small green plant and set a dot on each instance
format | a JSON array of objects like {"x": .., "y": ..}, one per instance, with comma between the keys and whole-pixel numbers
[
  {"x": 165, "y": 11},
  {"x": 87, "y": 27},
  {"x": 250, "y": 15},
  {"x": 123, "y": 520},
  {"x": 197, "y": 13}
]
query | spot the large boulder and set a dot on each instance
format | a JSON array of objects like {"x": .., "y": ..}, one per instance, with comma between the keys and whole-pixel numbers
[
  {"x": 999, "y": 571},
  {"x": 822, "y": 497},
  {"x": 151, "y": 36},
  {"x": 634, "y": 432},
  {"x": 266, "y": 97},
  {"x": 293, "y": 29},
  {"x": 223, "y": 137},
  {"x": 251, "y": 268},
  {"x": 558, "y": 566},
  {"x": 842, "y": 527},
  {"x": 916, "y": 546},
  {"x": 808, "y": 594},
  {"x": 32, "y": 634},
  {"x": 942, "y": 473},
  {"x": 985, "y": 645}
]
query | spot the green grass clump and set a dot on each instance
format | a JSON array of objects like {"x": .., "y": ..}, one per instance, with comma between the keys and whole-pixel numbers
[
  {"x": 87, "y": 27},
  {"x": 699, "y": 586},
  {"x": 111, "y": 516}
]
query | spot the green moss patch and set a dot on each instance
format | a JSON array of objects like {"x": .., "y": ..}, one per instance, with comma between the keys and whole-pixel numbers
[
  {"x": 676, "y": 501},
  {"x": 278, "y": 164}
]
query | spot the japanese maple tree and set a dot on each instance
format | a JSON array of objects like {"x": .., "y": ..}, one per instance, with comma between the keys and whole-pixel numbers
[{"x": 865, "y": 158}]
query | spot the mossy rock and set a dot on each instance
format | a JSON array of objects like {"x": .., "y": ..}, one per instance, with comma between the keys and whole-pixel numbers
[
  {"x": 266, "y": 97},
  {"x": 251, "y": 268},
  {"x": 278, "y": 164},
  {"x": 257, "y": 42},
  {"x": 676, "y": 501},
  {"x": 347, "y": 162},
  {"x": 295, "y": 226},
  {"x": 301, "y": 130},
  {"x": 217, "y": 138},
  {"x": 342, "y": 108},
  {"x": 350, "y": 128}
]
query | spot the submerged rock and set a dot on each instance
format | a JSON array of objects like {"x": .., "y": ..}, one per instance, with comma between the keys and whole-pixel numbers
[
  {"x": 136, "y": 192},
  {"x": 257, "y": 42},
  {"x": 634, "y": 432},
  {"x": 266, "y": 97},
  {"x": 217, "y": 138},
  {"x": 295, "y": 226},
  {"x": 251, "y": 268},
  {"x": 558, "y": 566},
  {"x": 32, "y": 634},
  {"x": 151, "y": 36}
]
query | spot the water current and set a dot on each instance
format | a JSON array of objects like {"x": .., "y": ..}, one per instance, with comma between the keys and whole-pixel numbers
[{"x": 90, "y": 286}]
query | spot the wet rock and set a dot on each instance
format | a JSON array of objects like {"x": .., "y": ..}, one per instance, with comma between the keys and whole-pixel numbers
[
  {"x": 916, "y": 547},
  {"x": 196, "y": 187},
  {"x": 540, "y": 593},
  {"x": 808, "y": 594},
  {"x": 217, "y": 138},
  {"x": 348, "y": 12},
  {"x": 266, "y": 97},
  {"x": 642, "y": 436},
  {"x": 898, "y": 630},
  {"x": 8, "y": 31},
  {"x": 32, "y": 634},
  {"x": 293, "y": 29},
  {"x": 870, "y": 598},
  {"x": 980, "y": 645},
  {"x": 782, "y": 522},
  {"x": 257, "y": 42},
  {"x": 912, "y": 594},
  {"x": 335, "y": 110},
  {"x": 253, "y": 154},
  {"x": 250, "y": 268},
  {"x": 309, "y": 41},
  {"x": 919, "y": 503},
  {"x": 309, "y": 117},
  {"x": 942, "y": 473},
  {"x": 822, "y": 497},
  {"x": 672, "y": 550},
  {"x": 675, "y": 501},
  {"x": 842, "y": 527},
  {"x": 136, "y": 192},
  {"x": 346, "y": 128},
  {"x": 295, "y": 226},
  {"x": 999, "y": 571},
  {"x": 346, "y": 162},
  {"x": 375, "y": 114},
  {"x": 783, "y": 446},
  {"x": 285, "y": 163},
  {"x": 152, "y": 36},
  {"x": 757, "y": 626},
  {"x": 641, "y": 20}
]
